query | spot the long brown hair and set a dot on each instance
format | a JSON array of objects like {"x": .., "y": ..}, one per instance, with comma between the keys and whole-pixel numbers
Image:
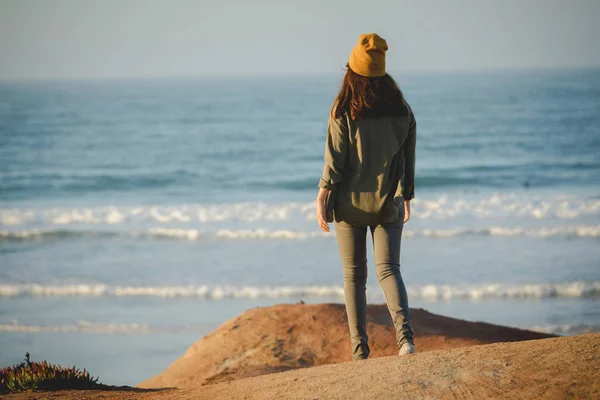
[{"x": 365, "y": 97}]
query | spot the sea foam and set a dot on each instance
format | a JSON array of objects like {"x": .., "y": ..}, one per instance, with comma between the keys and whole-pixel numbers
[
  {"x": 83, "y": 326},
  {"x": 442, "y": 207},
  {"x": 430, "y": 292},
  {"x": 86, "y": 327},
  {"x": 575, "y": 231}
]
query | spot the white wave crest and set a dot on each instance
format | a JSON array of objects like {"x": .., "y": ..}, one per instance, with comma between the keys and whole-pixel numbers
[
  {"x": 86, "y": 327},
  {"x": 102, "y": 328},
  {"x": 28, "y": 234},
  {"x": 438, "y": 208},
  {"x": 506, "y": 205},
  {"x": 264, "y": 234},
  {"x": 543, "y": 232},
  {"x": 425, "y": 292},
  {"x": 582, "y": 231},
  {"x": 188, "y": 234},
  {"x": 565, "y": 329},
  {"x": 112, "y": 215},
  {"x": 536, "y": 290},
  {"x": 34, "y": 289}
]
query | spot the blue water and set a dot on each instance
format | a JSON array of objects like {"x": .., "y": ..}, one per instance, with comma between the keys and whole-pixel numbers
[{"x": 137, "y": 216}]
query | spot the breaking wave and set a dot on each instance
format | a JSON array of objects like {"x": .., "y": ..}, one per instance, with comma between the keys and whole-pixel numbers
[
  {"x": 144, "y": 328},
  {"x": 103, "y": 328},
  {"x": 565, "y": 329},
  {"x": 439, "y": 208},
  {"x": 581, "y": 231},
  {"x": 215, "y": 292}
]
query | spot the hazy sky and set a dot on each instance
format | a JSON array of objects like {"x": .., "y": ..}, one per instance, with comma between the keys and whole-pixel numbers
[{"x": 124, "y": 38}]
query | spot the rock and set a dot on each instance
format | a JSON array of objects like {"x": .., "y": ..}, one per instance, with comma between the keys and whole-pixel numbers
[{"x": 290, "y": 336}]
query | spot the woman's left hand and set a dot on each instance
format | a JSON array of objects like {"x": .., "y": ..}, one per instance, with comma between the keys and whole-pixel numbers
[{"x": 322, "y": 214}]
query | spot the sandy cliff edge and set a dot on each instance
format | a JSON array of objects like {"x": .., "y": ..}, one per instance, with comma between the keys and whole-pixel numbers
[
  {"x": 290, "y": 336},
  {"x": 555, "y": 368}
]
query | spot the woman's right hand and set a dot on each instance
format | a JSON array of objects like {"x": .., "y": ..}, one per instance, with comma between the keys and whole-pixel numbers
[
  {"x": 406, "y": 210},
  {"x": 321, "y": 215},
  {"x": 321, "y": 209}
]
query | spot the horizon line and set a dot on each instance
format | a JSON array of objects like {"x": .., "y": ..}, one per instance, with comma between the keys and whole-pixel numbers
[{"x": 217, "y": 75}]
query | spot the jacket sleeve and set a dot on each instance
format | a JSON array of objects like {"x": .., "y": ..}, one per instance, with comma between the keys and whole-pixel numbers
[
  {"x": 336, "y": 147},
  {"x": 409, "y": 148}
]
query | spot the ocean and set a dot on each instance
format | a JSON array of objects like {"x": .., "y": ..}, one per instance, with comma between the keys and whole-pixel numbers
[{"x": 136, "y": 216}]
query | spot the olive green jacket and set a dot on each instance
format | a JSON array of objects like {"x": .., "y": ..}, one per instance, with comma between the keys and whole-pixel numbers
[{"x": 369, "y": 168}]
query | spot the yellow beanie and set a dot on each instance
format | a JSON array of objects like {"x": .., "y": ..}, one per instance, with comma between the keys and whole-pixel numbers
[{"x": 368, "y": 56}]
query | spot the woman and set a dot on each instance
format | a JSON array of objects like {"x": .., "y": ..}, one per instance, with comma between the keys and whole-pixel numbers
[{"x": 367, "y": 183}]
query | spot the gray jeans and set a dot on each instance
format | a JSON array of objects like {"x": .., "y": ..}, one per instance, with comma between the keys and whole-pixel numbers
[{"x": 352, "y": 244}]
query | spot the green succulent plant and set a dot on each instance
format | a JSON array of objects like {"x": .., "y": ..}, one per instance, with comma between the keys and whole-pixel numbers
[{"x": 29, "y": 375}]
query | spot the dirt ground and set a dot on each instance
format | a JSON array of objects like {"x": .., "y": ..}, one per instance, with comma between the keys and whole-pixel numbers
[
  {"x": 291, "y": 336},
  {"x": 302, "y": 351},
  {"x": 556, "y": 368}
]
